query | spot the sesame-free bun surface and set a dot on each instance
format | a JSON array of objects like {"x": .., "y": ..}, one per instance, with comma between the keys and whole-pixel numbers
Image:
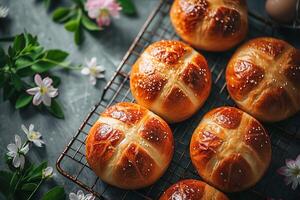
[
  {"x": 129, "y": 146},
  {"x": 263, "y": 78},
  {"x": 230, "y": 149},
  {"x": 212, "y": 25},
  {"x": 191, "y": 189},
  {"x": 171, "y": 79}
]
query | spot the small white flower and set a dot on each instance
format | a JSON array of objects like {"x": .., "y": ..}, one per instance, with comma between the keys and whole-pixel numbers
[
  {"x": 291, "y": 172},
  {"x": 33, "y": 136},
  {"x": 80, "y": 196},
  {"x": 17, "y": 152},
  {"x": 47, "y": 172},
  {"x": 3, "y": 11},
  {"x": 44, "y": 92},
  {"x": 93, "y": 70}
]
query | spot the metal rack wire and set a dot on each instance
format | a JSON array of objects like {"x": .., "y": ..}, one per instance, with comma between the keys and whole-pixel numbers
[{"x": 284, "y": 135}]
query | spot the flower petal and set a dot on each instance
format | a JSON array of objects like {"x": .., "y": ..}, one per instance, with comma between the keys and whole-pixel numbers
[
  {"x": 93, "y": 62},
  {"x": 80, "y": 194},
  {"x": 33, "y": 91},
  {"x": 47, "y": 172},
  {"x": 100, "y": 76},
  {"x": 16, "y": 161},
  {"x": 22, "y": 161},
  {"x": 297, "y": 161},
  {"x": 89, "y": 197},
  {"x": 18, "y": 141},
  {"x": 37, "y": 142},
  {"x": 73, "y": 196},
  {"x": 46, "y": 100},
  {"x": 24, "y": 129},
  {"x": 37, "y": 99},
  {"x": 38, "y": 80},
  {"x": 31, "y": 127},
  {"x": 290, "y": 163},
  {"x": 47, "y": 81},
  {"x": 99, "y": 68},
  {"x": 12, "y": 148},
  {"x": 52, "y": 92},
  {"x": 282, "y": 170},
  {"x": 294, "y": 184},
  {"x": 85, "y": 71},
  {"x": 93, "y": 80},
  {"x": 38, "y": 134},
  {"x": 11, "y": 154}
]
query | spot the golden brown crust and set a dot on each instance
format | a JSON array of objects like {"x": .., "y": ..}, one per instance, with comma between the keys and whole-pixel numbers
[
  {"x": 129, "y": 147},
  {"x": 192, "y": 190},
  {"x": 210, "y": 25},
  {"x": 171, "y": 79},
  {"x": 233, "y": 153},
  {"x": 263, "y": 79}
]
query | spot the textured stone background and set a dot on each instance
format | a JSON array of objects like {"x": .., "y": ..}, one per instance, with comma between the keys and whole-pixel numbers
[{"x": 77, "y": 95}]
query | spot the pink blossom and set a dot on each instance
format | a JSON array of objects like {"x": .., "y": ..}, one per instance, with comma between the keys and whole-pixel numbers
[
  {"x": 101, "y": 10},
  {"x": 291, "y": 172},
  {"x": 43, "y": 92}
]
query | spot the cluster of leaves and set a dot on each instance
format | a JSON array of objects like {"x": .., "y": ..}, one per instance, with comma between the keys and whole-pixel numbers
[
  {"x": 23, "y": 184},
  {"x": 75, "y": 17},
  {"x": 24, "y": 58}
]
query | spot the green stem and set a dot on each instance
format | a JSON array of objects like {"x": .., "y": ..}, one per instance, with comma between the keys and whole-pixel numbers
[
  {"x": 34, "y": 191},
  {"x": 61, "y": 64}
]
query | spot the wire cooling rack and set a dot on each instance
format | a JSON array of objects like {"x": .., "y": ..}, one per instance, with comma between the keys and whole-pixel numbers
[{"x": 284, "y": 135}]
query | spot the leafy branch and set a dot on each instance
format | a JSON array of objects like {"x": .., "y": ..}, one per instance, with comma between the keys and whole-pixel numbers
[
  {"x": 24, "y": 58},
  {"x": 75, "y": 17}
]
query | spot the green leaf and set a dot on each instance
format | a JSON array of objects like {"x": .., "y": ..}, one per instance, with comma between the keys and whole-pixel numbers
[
  {"x": 56, "y": 55},
  {"x": 36, "y": 173},
  {"x": 72, "y": 25},
  {"x": 78, "y": 36},
  {"x": 29, "y": 187},
  {"x": 23, "y": 101},
  {"x": 127, "y": 7},
  {"x": 55, "y": 109},
  {"x": 26, "y": 72},
  {"x": 2, "y": 57},
  {"x": 89, "y": 24},
  {"x": 57, "y": 193},
  {"x": 14, "y": 182},
  {"x": 19, "y": 43},
  {"x": 8, "y": 91},
  {"x": 5, "y": 178},
  {"x": 56, "y": 81},
  {"x": 11, "y": 51},
  {"x": 23, "y": 62},
  {"x": 42, "y": 66},
  {"x": 60, "y": 13},
  {"x": 30, "y": 39},
  {"x": 16, "y": 80},
  {"x": 37, "y": 51}
]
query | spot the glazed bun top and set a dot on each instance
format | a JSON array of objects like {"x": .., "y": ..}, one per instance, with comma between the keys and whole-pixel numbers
[
  {"x": 263, "y": 78},
  {"x": 171, "y": 79},
  {"x": 213, "y": 25}
]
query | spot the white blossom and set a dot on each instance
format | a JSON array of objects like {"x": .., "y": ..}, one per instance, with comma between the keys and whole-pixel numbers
[
  {"x": 47, "y": 172},
  {"x": 3, "y": 11},
  {"x": 43, "y": 92},
  {"x": 93, "y": 70},
  {"x": 291, "y": 172},
  {"x": 81, "y": 196},
  {"x": 32, "y": 135},
  {"x": 17, "y": 152}
]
